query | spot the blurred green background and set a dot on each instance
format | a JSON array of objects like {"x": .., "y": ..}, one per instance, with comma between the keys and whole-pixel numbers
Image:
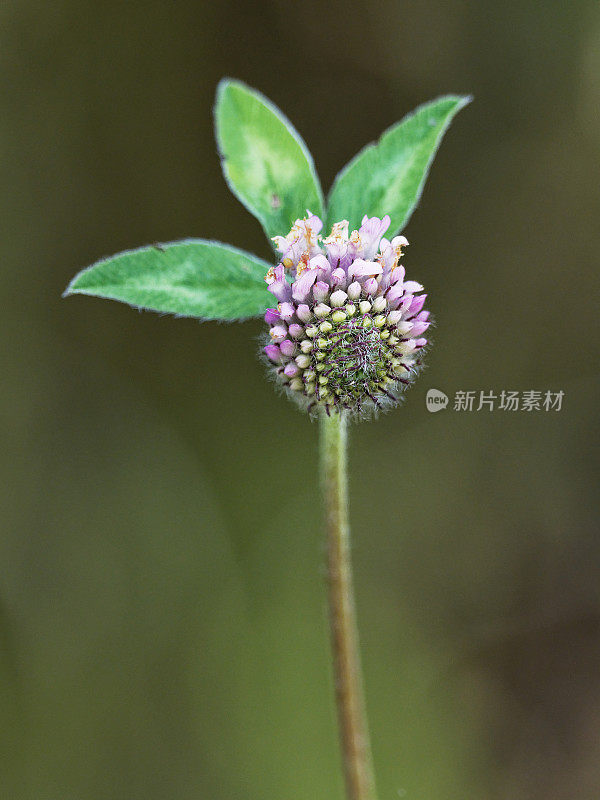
[{"x": 162, "y": 607}]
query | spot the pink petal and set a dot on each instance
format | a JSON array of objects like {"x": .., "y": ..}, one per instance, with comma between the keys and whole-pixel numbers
[
  {"x": 287, "y": 347},
  {"x": 361, "y": 268},
  {"x": 272, "y": 316},
  {"x": 302, "y": 285},
  {"x": 287, "y": 311},
  {"x": 273, "y": 352}
]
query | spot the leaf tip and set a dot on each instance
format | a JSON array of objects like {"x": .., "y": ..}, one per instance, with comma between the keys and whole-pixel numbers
[
  {"x": 223, "y": 85},
  {"x": 72, "y": 287},
  {"x": 228, "y": 83}
]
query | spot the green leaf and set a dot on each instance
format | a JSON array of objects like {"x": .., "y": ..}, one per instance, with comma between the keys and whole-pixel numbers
[
  {"x": 387, "y": 177},
  {"x": 191, "y": 278},
  {"x": 265, "y": 162}
]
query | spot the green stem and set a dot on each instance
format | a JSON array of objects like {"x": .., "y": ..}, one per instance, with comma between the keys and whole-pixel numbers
[{"x": 354, "y": 735}]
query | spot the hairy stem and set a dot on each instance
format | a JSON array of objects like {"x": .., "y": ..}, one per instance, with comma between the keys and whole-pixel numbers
[{"x": 354, "y": 736}]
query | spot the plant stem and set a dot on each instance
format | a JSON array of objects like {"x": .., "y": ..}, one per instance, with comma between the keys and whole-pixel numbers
[{"x": 354, "y": 736}]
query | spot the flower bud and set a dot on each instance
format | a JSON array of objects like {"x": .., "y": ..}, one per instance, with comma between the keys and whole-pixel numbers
[
  {"x": 278, "y": 333},
  {"x": 354, "y": 290},
  {"x": 338, "y": 339},
  {"x": 321, "y": 310},
  {"x": 273, "y": 352},
  {"x": 379, "y": 304},
  {"x": 287, "y": 347},
  {"x": 304, "y": 313},
  {"x": 320, "y": 291},
  {"x": 338, "y": 298}
]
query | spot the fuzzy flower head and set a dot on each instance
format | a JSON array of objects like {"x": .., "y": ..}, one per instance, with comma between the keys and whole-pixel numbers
[{"x": 347, "y": 331}]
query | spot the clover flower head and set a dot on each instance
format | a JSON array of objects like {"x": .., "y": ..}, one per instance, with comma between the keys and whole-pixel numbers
[{"x": 347, "y": 331}]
